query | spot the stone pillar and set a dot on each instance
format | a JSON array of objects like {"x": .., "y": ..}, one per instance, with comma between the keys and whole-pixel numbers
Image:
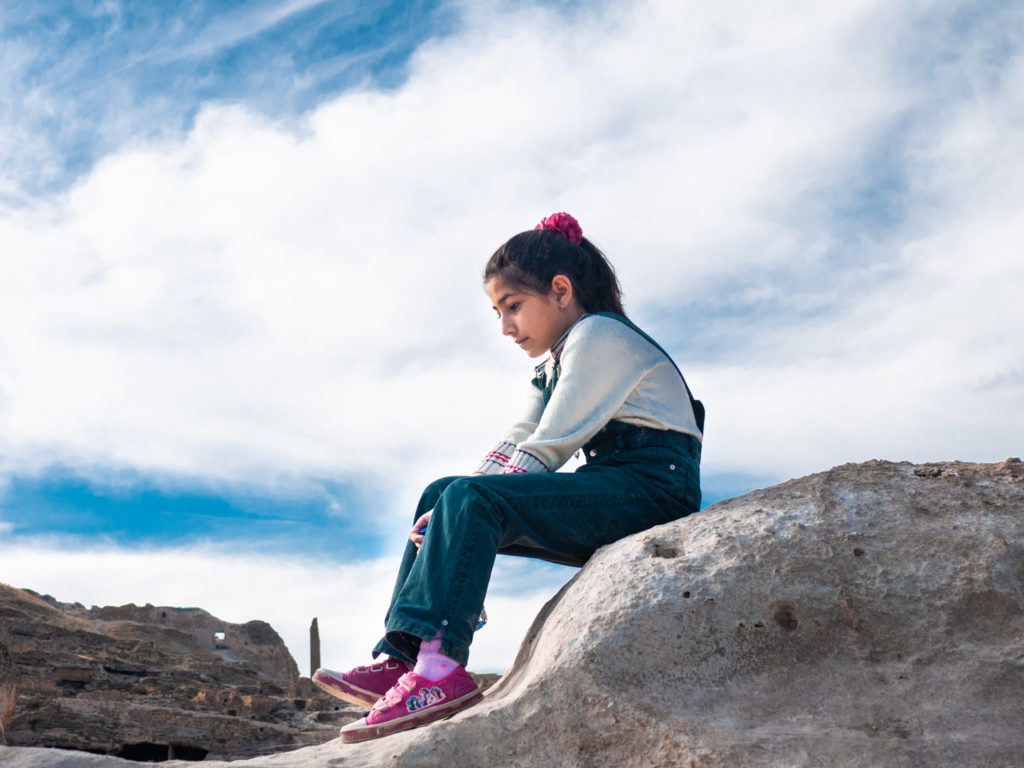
[{"x": 314, "y": 647}]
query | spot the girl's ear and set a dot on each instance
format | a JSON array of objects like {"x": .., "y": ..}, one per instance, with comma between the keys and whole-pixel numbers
[{"x": 561, "y": 286}]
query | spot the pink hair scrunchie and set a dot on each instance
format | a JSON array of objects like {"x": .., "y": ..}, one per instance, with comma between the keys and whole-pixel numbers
[{"x": 565, "y": 225}]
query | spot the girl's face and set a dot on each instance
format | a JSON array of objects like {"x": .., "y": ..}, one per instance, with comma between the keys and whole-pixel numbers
[{"x": 534, "y": 321}]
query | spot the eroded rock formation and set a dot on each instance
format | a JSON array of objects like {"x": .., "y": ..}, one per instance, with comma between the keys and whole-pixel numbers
[
  {"x": 8, "y": 686},
  {"x": 152, "y": 682}
]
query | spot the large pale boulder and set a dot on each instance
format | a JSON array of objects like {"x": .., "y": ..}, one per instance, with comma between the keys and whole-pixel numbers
[{"x": 870, "y": 615}]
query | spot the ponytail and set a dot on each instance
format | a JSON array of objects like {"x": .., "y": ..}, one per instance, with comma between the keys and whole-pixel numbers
[{"x": 533, "y": 258}]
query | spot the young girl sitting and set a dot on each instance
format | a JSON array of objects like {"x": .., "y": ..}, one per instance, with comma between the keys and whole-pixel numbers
[{"x": 606, "y": 388}]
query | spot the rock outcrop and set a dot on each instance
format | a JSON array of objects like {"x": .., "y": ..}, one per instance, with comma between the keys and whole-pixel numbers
[
  {"x": 151, "y": 683},
  {"x": 870, "y": 615},
  {"x": 254, "y": 642},
  {"x": 8, "y": 686}
]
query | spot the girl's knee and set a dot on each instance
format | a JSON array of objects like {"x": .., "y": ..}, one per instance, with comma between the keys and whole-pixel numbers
[
  {"x": 466, "y": 485},
  {"x": 432, "y": 493},
  {"x": 468, "y": 495}
]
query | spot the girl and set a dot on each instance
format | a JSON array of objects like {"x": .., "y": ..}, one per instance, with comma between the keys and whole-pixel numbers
[{"x": 605, "y": 387}]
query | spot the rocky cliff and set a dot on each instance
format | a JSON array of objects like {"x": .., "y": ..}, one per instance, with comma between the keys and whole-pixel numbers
[
  {"x": 150, "y": 682},
  {"x": 8, "y": 689},
  {"x": 870, "y": 615}
]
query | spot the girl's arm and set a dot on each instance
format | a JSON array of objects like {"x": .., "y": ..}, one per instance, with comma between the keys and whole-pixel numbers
[{"x": 496, "y": 461}]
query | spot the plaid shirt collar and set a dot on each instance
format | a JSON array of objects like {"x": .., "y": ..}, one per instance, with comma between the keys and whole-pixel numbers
[
  {"x": 556, "y": 350},
  {"x": 552, "y": 360}
]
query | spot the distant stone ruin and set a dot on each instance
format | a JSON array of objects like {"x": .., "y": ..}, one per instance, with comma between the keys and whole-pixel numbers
[
  {"x": 314, "y": 645},
  {"x": 254, "y": 642}
]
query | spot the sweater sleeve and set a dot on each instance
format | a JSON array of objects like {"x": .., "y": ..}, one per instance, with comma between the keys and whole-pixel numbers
[
  {"x": 499, "y": 456},
  {"x": 598, "y": 373}
]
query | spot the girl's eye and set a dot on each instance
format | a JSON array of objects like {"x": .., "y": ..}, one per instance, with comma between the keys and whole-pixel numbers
[{"x": 513, "y": 307}]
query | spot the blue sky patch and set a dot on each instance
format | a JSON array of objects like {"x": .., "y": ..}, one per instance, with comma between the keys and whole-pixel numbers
[
  {"x": 328, "y": 519},
  {"x": 90, "y": 77}
]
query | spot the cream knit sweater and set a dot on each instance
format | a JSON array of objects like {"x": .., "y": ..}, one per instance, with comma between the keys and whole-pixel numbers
[{"x": 606, "y": 371}]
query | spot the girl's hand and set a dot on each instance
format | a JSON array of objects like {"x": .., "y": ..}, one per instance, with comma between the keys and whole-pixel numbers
[{"x": 414, "y": 535}]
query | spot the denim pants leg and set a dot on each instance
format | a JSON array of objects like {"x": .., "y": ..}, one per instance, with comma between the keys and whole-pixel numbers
[{"x": 634, "y": 479}]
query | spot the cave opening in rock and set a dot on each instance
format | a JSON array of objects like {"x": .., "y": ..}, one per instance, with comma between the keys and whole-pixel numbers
[{"x": 148, "y": 752}]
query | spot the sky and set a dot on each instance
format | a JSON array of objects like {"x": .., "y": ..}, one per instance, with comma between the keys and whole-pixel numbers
[{"x": 241, "y": 316}]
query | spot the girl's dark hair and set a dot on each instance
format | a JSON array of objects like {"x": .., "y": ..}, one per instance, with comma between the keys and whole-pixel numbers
[{"x": 533, "y": 258}]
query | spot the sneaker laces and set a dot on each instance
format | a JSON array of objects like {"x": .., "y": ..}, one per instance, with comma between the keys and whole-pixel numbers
[{"x": 378, "y": 667}]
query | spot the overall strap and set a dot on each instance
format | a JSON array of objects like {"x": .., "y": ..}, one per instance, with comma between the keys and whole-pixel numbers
[
  {"x": 544, "y": 383},
  {"x": 697, "y": 405}
]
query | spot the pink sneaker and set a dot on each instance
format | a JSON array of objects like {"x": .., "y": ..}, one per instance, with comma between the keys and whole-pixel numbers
[
  {"x": 362, "y": 685},
  {"x": 414, "y": 701}
]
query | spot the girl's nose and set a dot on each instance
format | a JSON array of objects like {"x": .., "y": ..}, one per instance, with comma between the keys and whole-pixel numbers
[{"x": 507, "y": 328}]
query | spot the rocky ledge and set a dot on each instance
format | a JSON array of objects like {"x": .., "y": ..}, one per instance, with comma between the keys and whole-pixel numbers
[
  {"x": 151, "y": 683},
  {"x": 870, "y": 615}
]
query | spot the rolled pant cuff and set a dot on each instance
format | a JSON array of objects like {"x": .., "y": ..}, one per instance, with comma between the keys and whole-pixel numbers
[
  {"x": 383, "y": 646},
  {"x": 402, "y": 644}
]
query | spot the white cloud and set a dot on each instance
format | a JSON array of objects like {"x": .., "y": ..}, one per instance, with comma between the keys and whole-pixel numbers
[
  {"x": 269, "y": 302},
  {"x": 925, "y": 365},
  {"x": 348, "y": 600}
]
